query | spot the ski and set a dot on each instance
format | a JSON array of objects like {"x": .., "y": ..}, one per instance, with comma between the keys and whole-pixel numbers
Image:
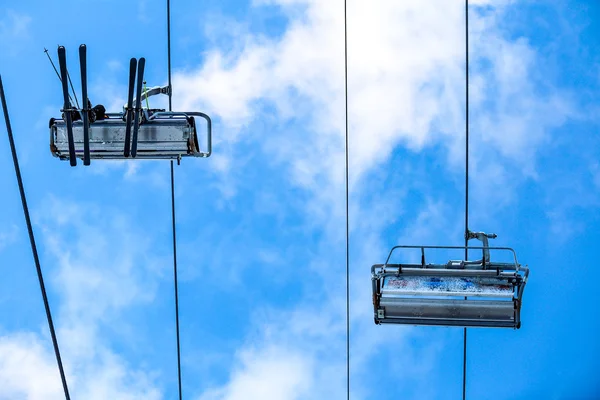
[
  {"x": 62, "y": 61},
  {"x": 86, "y": 105},
  {"x": 138, "y": 105},
  {"x": 129, "y": 111}
]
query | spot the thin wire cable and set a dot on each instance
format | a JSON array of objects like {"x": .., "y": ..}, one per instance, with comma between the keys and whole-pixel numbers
[
  {"x": 32, "y": 241},
  {"x": 175, "y": 278},
  {"x": 173, "y": 208},
  {"x": 347, "y": 208},
  {"x": 464, "y": 394}
]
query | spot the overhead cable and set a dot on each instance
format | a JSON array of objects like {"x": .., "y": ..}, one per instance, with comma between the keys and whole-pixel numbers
[
  {"x": 464, "y": 385},
  {"x": 347, "y": 207},
  {"x": 32, "y": 242},
  {"x": 173, "y": 209}
]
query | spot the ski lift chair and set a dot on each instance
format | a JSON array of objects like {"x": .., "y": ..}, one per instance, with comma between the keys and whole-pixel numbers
[
  {"x": 137, "y": 132},
  {"x": 161, "y": 135},
  {"x": 479, "y": 293}
]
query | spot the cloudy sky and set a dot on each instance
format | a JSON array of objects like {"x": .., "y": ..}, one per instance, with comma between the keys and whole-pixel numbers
[{"x": 261, "y": 224}]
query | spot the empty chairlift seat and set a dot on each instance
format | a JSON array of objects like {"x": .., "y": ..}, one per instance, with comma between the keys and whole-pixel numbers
[{"x": 480, "y": 293}]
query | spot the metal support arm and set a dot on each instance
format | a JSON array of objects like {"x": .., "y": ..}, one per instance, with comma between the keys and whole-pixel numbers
[
  {"x": 483, "y": 237},
  {"x": 153, "y": 91}
]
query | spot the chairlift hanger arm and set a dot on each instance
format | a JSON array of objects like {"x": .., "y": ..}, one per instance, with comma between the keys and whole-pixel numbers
[
  {"x": 483, "y": 237},
  {"x": 153, "y": 91},
  {"x": 149, "y": 92}
]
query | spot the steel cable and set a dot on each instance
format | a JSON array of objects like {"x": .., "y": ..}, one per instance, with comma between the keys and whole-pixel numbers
[
  {"x": 464, "y": 388},
  {"x": 176, "y": 287},
  {"x": 33, "y": 245},
  {"x": 347, "y": 208}
]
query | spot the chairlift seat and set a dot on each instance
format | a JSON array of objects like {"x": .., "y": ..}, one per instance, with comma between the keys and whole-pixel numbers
[
  {"x": 164, "y": 135},
  {"x": 472, "y": 293},
  {"x": 89, "y": 132}
]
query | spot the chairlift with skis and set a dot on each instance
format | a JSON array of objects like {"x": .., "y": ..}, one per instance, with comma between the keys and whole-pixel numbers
[
  {"x": 436, "y": 294},
  {"x": 137, "y": 132}
]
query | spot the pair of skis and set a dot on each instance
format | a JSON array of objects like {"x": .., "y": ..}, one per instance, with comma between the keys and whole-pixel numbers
[
  {"x": 133, "y": 111},
  {"x": 67, "y": 107}
]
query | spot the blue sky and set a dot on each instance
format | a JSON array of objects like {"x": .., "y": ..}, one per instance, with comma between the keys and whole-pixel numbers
[{"x": 261, "y": 224}]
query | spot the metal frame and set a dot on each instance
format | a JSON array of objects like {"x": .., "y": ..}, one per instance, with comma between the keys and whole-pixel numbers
[
  {"x": 444, "y": 308},
  {"x": 171, "y": 114},
  {"x": 107, "y": 137}
]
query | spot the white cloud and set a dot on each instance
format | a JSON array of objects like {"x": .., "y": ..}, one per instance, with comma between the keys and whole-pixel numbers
[
  {"x": 406, "y": 85},
  {"x": 272, "y": 373},
  {"x": 14, "y": 26},
  {"x": 102, "y": 271},
  {"x": 27, "y": 369},
  {"x": 8, "y": 236},
  {"x": 294, "y": 354}
]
